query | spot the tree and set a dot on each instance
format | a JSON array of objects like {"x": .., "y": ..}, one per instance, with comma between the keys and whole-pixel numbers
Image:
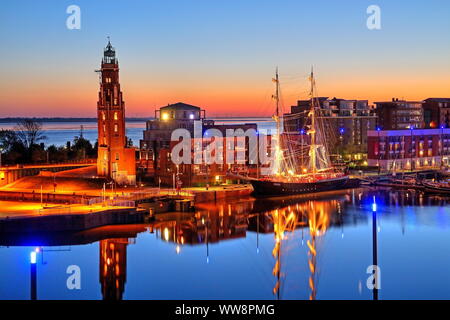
[
  {"x": 7, "y": 140},
  {"x": 30, "y": 132},
  {"x": 82, "y": 147}
]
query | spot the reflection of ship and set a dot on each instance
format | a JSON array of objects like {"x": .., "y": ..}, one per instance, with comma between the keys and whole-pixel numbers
[
  {"x": 319, "y": 177},
  {"x": 314, "y": 215}
]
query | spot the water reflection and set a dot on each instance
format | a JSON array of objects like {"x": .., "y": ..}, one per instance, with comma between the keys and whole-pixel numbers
[
  {"x": 113, "y": 268},
  {"x": 301, "y": 221}
]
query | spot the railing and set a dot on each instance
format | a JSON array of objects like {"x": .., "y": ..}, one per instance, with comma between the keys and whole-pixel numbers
[
  {"x": 55, "y": 210},
  {"x": 115, "y": 202}
]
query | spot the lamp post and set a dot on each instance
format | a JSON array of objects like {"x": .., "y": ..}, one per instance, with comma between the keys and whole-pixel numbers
[
  {"x": 379, "y": 150},
  {"x": 442, "y": 147},
  {"x": 411, "y": 148},
  {"x": 341, "y": 139},
  {"x": 375, "y": 250}
]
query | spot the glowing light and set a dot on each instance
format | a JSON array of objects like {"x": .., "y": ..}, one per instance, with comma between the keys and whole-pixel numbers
[
  {"x": 166, "y": 234},
  {"x": 374, "y": 205},
  {"x": 305, "y": 170},
  {"x": 165, "y": 116},
  {"x": 178, "y": 249},
  {"x": 33, "y": 257},
  {"x": 191, "y": 116},
  {"x": 217, "y": 178}
]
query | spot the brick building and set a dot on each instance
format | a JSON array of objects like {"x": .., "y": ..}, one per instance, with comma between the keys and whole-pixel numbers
[
  {"x": 156, "y": 148},
  {"x": 116, "y": 157},
  {"x": 409, "y": 149}
]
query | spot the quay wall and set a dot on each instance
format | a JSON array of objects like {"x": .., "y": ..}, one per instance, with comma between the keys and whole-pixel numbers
[
  {"x": 46, "y": 197},
  {"x": 211, "y": 196},
  {"x": 70, "y": 222}
]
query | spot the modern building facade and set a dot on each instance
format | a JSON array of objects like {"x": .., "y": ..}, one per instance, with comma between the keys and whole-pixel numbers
[
  {"x": 116, "y": 157},
  {"x": 345, "y": 121},
  {"x": 410, "y": 149},
  {"x": 399, "y": 114}
]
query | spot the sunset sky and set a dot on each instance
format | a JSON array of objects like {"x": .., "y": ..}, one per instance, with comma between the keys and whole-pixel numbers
[{"x": 219, "y": 54}]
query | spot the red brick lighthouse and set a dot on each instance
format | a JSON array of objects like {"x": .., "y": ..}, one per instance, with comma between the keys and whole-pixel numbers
[{"x": 116, "y": 158}]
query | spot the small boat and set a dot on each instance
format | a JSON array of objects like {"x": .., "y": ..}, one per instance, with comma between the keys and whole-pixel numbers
[
  {"x": 402, "y": 184},
  {"x": 436, "y": 187}
]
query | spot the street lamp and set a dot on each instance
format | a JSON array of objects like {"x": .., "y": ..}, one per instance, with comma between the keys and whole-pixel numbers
[
  {"x": 379, "y": 150},
  {"x": 442, "y": 146},
  {"x": 411, "y": 127}
]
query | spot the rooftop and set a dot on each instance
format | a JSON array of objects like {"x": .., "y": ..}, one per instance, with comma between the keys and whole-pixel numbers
[{"x": 180, "y": 105}]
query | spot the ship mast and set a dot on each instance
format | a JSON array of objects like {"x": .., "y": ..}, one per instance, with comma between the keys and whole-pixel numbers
[
  {"x": 312, "y": 132},
  {"x": 277, "y": 121}
]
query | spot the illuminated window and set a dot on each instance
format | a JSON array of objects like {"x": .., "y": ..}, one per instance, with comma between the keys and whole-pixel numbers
[
  {"x": 103, "y": 115},
  {"x": 165, "y": 116},
  {"x": 115, "y": 115},
  {"x": 116, "y": 127}
]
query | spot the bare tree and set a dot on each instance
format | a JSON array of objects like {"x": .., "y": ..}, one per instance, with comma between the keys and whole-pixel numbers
[{"x": 30, "y": 132}]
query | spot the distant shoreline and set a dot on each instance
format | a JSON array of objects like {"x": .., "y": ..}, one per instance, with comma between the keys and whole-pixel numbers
[{"x": 62, "y": 119}]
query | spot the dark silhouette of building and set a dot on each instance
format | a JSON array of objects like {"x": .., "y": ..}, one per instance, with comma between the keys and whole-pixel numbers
[{"x": 399, "y": 114}]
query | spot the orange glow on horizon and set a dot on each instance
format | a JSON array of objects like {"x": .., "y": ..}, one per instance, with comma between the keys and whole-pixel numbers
[{"x": 222, "y": 98}]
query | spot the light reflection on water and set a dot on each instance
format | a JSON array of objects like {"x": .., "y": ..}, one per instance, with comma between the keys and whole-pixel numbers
[{"x": 286, "y": 248}]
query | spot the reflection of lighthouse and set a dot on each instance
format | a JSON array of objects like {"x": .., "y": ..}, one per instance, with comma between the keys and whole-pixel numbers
[{"x": 113, "y": 268}]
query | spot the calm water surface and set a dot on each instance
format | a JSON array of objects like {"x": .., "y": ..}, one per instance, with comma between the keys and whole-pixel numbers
[{"x": 285, "y": 248}]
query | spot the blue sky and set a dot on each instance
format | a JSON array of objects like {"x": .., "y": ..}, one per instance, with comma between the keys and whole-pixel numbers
[{"x": 219, "y": 54}]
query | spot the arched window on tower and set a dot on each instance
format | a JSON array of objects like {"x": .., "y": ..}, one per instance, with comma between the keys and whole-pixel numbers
[
  {"x": 103, "y": 115},
  {"x": 116, "y": 127},
  {"x": 115, "y": 115}
]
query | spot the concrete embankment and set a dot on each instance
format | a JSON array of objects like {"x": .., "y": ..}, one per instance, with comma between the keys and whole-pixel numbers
[
  {"x": 71, "y": 221},
  {"x": 215, "y": 195},
  {"x": 47, "y": 197}
]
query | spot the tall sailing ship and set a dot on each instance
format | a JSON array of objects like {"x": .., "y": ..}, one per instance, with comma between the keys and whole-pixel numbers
[{"x": 288, "y": 178}]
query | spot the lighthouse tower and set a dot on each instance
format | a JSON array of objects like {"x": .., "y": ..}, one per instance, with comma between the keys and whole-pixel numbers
[{"x": 116, "y": 159}]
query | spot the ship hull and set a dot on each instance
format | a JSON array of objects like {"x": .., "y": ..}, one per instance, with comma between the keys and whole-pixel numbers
[{"x": 273, "y": 188}]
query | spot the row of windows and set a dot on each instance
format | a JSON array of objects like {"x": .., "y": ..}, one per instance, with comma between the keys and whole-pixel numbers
[{"x": 116, "y": 115}]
